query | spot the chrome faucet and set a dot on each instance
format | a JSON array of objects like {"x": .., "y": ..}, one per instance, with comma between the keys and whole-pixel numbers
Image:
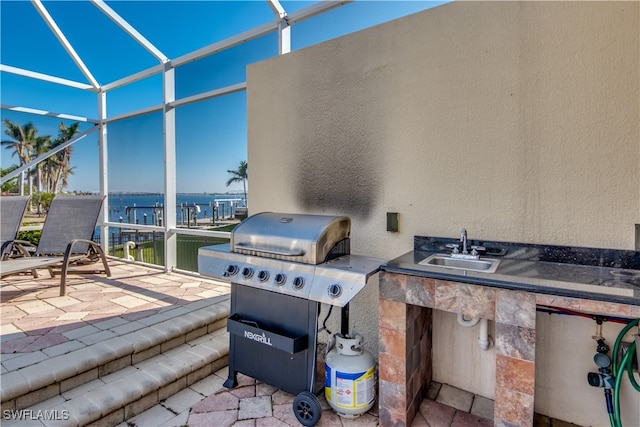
[
  {"x": 463, "y": 239},
  {"x": 464, "y": 253}
]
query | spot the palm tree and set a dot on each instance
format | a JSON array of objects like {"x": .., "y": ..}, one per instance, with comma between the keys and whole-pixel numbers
[
  {"x": 239, "y": 175},
  {"x": 63, "y": 157},
  {"x": 41, "y": 145},
  {"x": 52, "y": 174},
  {"x": 24, "y": 138},
  {"x": 50, "y": 168}
]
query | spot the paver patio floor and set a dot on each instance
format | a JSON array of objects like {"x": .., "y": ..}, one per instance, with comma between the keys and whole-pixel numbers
[
  {"x": 34, "y": 317},
  {"x": 36, "y": 323}
]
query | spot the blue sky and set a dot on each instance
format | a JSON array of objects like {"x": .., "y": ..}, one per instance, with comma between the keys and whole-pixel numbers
[{"x": 211, "y": 135}]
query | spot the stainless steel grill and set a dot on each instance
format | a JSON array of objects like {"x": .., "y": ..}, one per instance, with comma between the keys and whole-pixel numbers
[
  {"x": 306, "y": 256},
  {"x": 300, "y": 238},
  {"x": 281, "y": 268}
]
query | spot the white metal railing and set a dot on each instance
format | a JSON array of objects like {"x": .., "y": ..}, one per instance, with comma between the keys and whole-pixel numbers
[
  {"x": 174, "y": 230},
  {"x": 153, "y": 228}
]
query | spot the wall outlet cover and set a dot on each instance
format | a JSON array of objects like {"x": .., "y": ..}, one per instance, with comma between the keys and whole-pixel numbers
[{"x": 392, "y": 222}]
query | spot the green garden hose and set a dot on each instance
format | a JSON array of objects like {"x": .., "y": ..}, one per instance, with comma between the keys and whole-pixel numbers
[
  {"x": 618, "y": 371},
  {"x": 616, "y": 346}
]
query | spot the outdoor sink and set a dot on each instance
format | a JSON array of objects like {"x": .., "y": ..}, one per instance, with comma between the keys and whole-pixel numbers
[{"x": 484, "y": 265}]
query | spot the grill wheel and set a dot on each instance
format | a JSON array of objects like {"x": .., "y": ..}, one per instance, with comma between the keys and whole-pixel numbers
[{"x": 307, "y": 409}]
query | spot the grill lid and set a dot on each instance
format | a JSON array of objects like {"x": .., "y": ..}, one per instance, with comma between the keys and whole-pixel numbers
[{"x": 301, "y": 238}]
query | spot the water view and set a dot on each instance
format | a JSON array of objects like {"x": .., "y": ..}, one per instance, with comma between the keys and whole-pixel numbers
[{"x": 145, "y": 208}]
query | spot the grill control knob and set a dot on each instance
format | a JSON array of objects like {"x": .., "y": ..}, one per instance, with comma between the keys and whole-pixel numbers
[
  {"x": 298, "y": 282},
  {"x": 263, "y": 275},
  {"x": 247, "y": 272},
  {"x": 232, "y": 270},
  {"x": 335, "y": 290},
  {"x": 280, "y": 279}
]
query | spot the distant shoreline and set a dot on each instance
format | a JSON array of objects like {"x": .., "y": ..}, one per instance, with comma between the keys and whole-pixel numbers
[{"x": 141, "y": 193}]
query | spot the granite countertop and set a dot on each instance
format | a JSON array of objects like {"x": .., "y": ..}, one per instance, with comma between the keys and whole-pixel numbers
[{"x": 590, "y": 273}]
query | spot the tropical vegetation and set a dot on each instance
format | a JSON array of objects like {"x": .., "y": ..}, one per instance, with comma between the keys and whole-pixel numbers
[
  {"x": 51, "y": 175},
  {"x": 12, "y": 185},
  {"x": 239, "y": 175}
]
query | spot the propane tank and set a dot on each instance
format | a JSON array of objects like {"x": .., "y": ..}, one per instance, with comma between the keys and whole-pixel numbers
[{"x": 349, "y": 377}]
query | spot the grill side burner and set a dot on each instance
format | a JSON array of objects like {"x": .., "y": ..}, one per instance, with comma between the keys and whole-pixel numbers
[{"x": 281, "y": 268}]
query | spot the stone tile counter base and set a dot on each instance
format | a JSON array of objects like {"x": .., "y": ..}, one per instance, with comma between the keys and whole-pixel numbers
[
  {"x": 404, "y": 360},
  {"x": 405, "y": 325}
]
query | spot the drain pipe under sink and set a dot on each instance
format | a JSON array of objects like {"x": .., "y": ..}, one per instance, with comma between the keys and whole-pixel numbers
[{"x": 483, "y": 335}]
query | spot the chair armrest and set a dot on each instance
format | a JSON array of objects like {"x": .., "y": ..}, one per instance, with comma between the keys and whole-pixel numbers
[
  {"x": 93, "y": 246},
  {"x": 72, "y": 243}
]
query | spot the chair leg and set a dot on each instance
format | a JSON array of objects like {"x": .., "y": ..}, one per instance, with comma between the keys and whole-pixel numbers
[
  {"x": 63, "y": 272},
  {"x": 63, "y": 282},
  {"x": 65, "y": 265},
  {"x": 103, "y": 257}
]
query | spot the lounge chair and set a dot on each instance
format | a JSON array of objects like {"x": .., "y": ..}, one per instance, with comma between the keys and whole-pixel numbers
[
  {"x": 66, "y": 240},
  {"x": 12, "y": 209}
]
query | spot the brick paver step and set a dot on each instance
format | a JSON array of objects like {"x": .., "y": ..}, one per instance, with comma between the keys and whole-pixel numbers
[
  {"x": 30, "y": 379},
  {"x": 116, "y": 397}
]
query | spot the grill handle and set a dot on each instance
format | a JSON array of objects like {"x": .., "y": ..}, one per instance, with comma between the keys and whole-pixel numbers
[{"x": 294, "y": 252}]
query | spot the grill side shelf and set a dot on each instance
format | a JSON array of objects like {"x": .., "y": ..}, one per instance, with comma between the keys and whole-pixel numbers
[{"x": 251, "y": 330}]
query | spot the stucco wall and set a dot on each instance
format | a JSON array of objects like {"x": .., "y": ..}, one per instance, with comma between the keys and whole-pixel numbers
[{"x": 518, "y": 121}]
